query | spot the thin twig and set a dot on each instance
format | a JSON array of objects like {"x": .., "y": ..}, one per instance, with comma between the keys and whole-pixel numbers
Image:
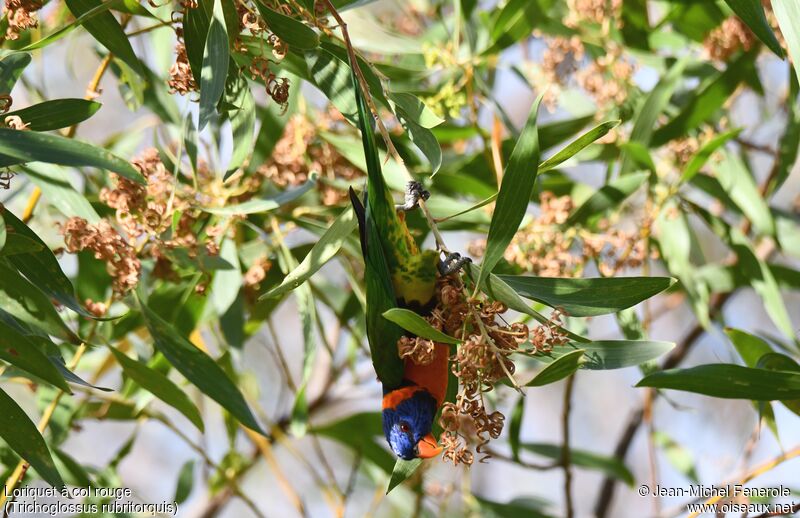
[{"x": 755, "y": 472}]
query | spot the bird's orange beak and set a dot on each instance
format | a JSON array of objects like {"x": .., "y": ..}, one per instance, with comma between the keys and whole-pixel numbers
[{"x": 428, "y": 447}]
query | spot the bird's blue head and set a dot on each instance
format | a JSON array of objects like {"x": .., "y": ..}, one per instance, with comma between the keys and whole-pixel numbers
[{"x": 408, "y": 414}]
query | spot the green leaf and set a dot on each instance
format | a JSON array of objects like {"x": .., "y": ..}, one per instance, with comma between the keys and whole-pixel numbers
[
  {"x": 11, "y": 68},
  {"x": 21, "y": 435},
  {"x": 700, "y": 158},
  {"x": 728, "y": 381},
  {"x": 106, "y": 30},
  {"x": 607, "y": 197},
  {"x": 749, "y": 347},
  {"x": 306, "y": 308},
  {"x": 788, "y": 14},
  {"x": 611, "y": 466},
  {"x": 790, "y": 141},
  {"x": 56, "y": 186},
  {"x": 414, "y": 323},
  {"x": 26, "y": 303},
  {"x": 160, "y": 386},
  {"x": 30, "y": 146},
  {"x": 403, "y": 469},
  {"x": 16, "y": 244},
  {"x": 588, "y": 297},
  {"x": 86, "y": 17},
  {"x": 414, "y": 109},
  {"x": 675, "y": 244},
  {"x": 199, "y": 368},
  {"x": 758, "y": 274},
  {"x": 735, "y": 178},
  {"x": 56, "y": 114},
  {"x": 185, "y": 482},
  {"x": 226, "y": 284},
  {"x": 42, "y": 269},
  {"x": 680, "y": 457},
  {"x": 517, "y": 508},
  {"x": 652, "y": 108},
  {"x": 294, "y": 32},
  {"x": 18, "y": 350},
  {"x": 190, "y": 141},
  {"x": 752, "y": 13},
  {"x": 195, "y": 31},
  {"x": 578, "y": 145},
  {"x": 3, "y": 232},
  {"x": 512, "y": 23},
  {"x": 265, "y": 204},
  {"x": 707, "y": 99},
  {"x": 519, "y": 178},
  {"x": 640, "y": 156},
  {"x": 781, "y": 362},
  {"x": 323, "y": 251},
  {"x": 243, "y": 122},
  {"x": 559, "y": 369},
  {"x": 215, "y": 66},
  {"x": 515, "y": 427},
  {"x": 611, "y": 354},
  {"x": 425, "y": 141},
  {"x": 332, "y": 76}
]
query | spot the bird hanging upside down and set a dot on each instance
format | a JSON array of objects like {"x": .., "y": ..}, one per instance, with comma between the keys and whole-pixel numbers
[{"x": 409, "y": 409}]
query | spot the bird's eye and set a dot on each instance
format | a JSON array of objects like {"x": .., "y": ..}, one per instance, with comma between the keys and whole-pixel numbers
[{"x": 405, "y": 428}]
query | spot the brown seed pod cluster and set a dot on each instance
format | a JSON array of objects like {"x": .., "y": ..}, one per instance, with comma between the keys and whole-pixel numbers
[
  {"x": 21, "y": 16},
  {"x": 544, "y": 248},
  {"x": 300, "y": 151},
  {"x": 181, "y": 79},
  {"x": 730, "y": 37},
  {"x": 145, "y": 212},
  {"x": 482, "y": 359},
  {"x": 108, "y": 246}
]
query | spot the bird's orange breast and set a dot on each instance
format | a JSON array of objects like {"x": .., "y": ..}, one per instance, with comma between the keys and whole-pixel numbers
[{"x": 433, "y": 376}]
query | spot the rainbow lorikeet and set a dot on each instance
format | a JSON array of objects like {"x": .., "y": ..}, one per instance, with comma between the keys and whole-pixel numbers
[
  {"x": 398, "y": 274},
  {"x": 410, "y": 405}
]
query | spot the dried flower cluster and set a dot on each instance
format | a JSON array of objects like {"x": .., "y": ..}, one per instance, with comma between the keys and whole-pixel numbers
[
  {"x": 300, "y": 151},
  {"x": 257, "y": 272},
  {"x": 181, "y": 79},
  {"x": 592, "y": 11},
  {"x": 546, "y": 249},
  {"x": 277, "y": 87},
  {"x": 482, "y": 359},
  {"x": 727, "y": 39},
  {"x": 140, "y": 208},
  {"x": 607, "y": 79},
  {"x": 108, "y": 246},
  {"x": 147, "y": 211},
  {"x": 21, "y": 16}
]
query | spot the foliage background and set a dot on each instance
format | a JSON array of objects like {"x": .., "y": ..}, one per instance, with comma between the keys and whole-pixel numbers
[{"x": 531, "y": 46}]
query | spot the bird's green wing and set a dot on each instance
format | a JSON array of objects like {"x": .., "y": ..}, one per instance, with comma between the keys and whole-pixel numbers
[{"x": 381, "y": 333}]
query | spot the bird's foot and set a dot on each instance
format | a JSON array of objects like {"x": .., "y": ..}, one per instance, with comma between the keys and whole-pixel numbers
[
  {"x": 452, "y": 263},
  {"x": 414, "y": 193}
]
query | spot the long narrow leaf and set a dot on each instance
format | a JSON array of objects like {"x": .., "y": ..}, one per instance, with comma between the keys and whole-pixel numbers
[
  {"x": 21, "y": 435},
  {"x": 515, "y": 192}
]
